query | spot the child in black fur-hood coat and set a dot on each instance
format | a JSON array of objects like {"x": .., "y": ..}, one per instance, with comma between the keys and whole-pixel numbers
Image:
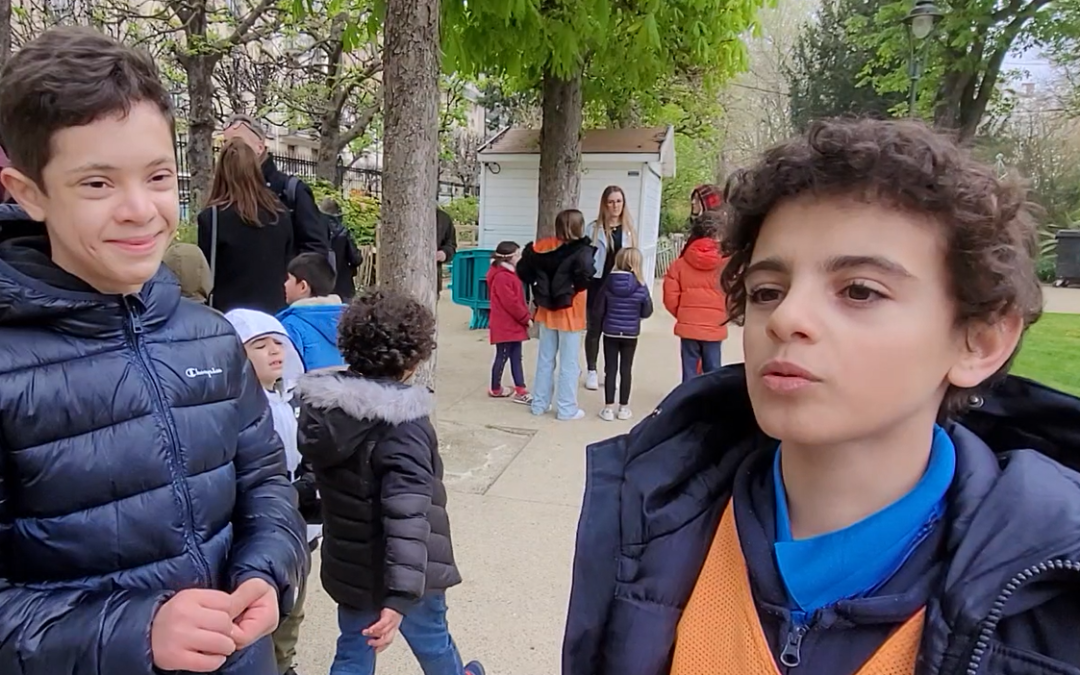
[{"x": 387, "y": 554}]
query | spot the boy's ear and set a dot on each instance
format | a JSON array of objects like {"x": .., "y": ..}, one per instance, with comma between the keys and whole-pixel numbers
[
  {"x": 987, "y": 347},
  {"x": 25, "y": 192},
  {"x": 305, "y": 287}
]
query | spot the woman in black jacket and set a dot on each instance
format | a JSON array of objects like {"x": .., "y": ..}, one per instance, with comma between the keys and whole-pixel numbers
[
  {"x": 252, "y": 242},
  {"x": 387, "y": 554}
]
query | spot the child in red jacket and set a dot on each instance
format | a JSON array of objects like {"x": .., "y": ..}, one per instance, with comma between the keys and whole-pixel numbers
[{"x": 508, "y": 322}]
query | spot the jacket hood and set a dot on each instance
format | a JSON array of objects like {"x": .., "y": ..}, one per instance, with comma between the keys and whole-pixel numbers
[
  {"x": 1017, "y": 456},
  {"x": 703, "y": 254},
  {"x": 250, "y": 324},
  {"x": 622, "y": 284},
  {"x": 33, "y": 289},
  {"x": 365, "y": 399},
  {"x": 551, "y": 249},
  {"x": 322, "y": 314}
]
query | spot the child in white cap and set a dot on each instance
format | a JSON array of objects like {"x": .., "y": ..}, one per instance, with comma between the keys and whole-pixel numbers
[{"x": 278, "y": 366}]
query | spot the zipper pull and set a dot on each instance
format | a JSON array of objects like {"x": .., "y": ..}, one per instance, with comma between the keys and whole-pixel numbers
[
  {"x": 133, "y": 316},
  {"x": 791, "y": 656}
]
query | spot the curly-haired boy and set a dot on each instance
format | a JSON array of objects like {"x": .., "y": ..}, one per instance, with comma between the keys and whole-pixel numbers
[
  {"x": 387, "y": 557},
  {"x": 870, "y": 493}
]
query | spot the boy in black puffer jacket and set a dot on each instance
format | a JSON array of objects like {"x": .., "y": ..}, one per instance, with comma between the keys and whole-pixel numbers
[
  {"x": 387, "y": 555},
  {"x": 146, "y": 521}
]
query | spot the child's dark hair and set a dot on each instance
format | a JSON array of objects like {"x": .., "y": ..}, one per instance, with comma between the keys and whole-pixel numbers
[
  {"x": 709, "y": 225},
  {"x": 504, "y": 251},
  {"x": 315, "y": 269},
  {"x": 986, "y": 221},
  {"x": 70, "y": 77},
  {"x": 384, "y": 334}
]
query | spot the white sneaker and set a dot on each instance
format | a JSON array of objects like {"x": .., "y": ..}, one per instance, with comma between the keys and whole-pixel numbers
[
  {"x": 580, "y": 414},
  {"x": 592, "y": 381},
  {"x": 607, "y": 414},
  {"x": 625, "y": 413}
]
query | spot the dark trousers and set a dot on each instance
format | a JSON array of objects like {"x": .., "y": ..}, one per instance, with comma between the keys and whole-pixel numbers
[
  {"x": 697, "y": 351},
  {"x": 618, "y": 362},
  {"x": 593, "y": 324},
  {"x": 507, "y": 351}
]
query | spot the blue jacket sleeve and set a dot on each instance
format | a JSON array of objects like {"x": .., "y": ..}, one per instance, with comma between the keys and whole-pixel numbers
[
  {"x": 45, "y": 631},
  {"x": 269, "y": 536}
]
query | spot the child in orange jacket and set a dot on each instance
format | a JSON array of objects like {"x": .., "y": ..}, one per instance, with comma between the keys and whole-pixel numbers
[{"x": 692, "y": 294}]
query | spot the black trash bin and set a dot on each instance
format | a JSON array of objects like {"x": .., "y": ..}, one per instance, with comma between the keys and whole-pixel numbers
[{"x": 1068, "y": 257}]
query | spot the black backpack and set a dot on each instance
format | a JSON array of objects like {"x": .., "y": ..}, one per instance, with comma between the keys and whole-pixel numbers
[{"x": 288, "y": 197}]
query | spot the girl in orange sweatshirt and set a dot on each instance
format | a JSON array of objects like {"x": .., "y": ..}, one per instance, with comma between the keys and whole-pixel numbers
[{"x": 558, "y": 270}]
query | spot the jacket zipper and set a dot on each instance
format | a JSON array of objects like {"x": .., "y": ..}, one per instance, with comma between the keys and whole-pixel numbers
[
  {"x": 791, "y": 655},
  {"x": 176, "y": 459},
  {"x": 997, "y": 610}
]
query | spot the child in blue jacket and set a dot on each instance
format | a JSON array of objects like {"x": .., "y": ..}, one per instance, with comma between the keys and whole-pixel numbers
[
  {"x": 313, "y": 312},
  {"x": 870, "y": 492},
  {"x": 624, "y": 301}
]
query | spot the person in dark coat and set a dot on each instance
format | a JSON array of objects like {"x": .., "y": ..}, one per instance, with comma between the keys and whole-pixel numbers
[
  {"x": 147, "y": 524},
  {"x": 870, "y": 492},
  {"x": 347, "y": 258},
  {"x": 310, "y": 233},
  {"x": 445, "y": 242},
  {"x": 387, "y": 555},
  {"x": 250, "y": 250},
  {"x": 624, "y": 301}
]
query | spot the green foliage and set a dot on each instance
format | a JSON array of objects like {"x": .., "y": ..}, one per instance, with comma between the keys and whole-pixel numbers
[
  {"x": 188, "y": 232},
  {"x": 464, "y": 210},
  {"x": 963, "y": 57},
  {"x": 827, "y": 73},
  {"x": 1046, "y": 268},
  {"x": 697, "y": 166},
  {"x": 623, "y": 47},
  {"x": 359, "y": 212}
]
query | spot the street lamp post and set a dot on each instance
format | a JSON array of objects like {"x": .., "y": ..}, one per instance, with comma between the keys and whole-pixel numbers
[{"x": 920, "y": 22}]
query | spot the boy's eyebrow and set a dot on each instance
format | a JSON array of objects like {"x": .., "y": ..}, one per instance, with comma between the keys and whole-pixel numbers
[
  {"x": 835, "y": 264},
  {"x": 101, "y": 166},
  {"x": 882, "y": 264},
  {"x": 770, "y": 264}
]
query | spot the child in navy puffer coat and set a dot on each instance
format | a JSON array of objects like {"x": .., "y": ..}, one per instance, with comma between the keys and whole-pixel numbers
[{"x": 624, "y": 301}]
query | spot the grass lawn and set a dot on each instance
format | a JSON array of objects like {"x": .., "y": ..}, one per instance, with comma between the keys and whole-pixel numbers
[{"x": 1051, "y": 352}]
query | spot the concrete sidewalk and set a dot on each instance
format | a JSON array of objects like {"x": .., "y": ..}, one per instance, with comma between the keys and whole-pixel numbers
[{"x": 515, "y": 486}]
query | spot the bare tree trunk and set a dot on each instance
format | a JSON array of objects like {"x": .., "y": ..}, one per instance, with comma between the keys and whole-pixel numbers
[
  {"x": 410, "y": 156},
  {"x": 200, "y": 75},
  {"x": 326, "y": 156},
  {"x": 5, "y": 30},
  {"x": 560, "y": 150}
]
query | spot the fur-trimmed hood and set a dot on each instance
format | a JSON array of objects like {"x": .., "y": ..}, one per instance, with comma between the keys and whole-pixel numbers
[{"x": 365, "y": 399}]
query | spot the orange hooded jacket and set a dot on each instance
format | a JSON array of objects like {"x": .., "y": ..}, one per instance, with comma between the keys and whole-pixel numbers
[{"x": 692, "y": 292}]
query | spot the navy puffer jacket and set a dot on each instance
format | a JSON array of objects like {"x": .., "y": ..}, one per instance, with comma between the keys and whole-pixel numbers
[
  {"x": 624, "y": 302},
  {"x": 137, "y": 458},
  {"x": 1002, "y": 596}
]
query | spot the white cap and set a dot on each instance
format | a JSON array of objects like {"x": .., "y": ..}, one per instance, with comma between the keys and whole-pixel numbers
[{"x": 251, "y": 324}]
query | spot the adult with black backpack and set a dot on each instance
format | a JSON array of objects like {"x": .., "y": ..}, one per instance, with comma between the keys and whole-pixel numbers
[
  {"x": 346, "y": 256},
  {"x": 310, "y": 233},
  {"x": 246, "y": 234}
]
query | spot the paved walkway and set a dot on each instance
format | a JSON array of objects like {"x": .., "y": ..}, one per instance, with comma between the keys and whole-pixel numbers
[{"x": 515, "y": 486}]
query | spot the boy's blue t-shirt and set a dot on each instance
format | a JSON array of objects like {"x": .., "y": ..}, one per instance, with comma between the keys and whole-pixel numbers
[
  {"x": 313, "y": 327},
  {"x": 855, "y": 561}
]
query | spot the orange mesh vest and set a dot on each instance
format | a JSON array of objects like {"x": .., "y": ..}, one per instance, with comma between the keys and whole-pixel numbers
[{"x": 720, "y": 631}]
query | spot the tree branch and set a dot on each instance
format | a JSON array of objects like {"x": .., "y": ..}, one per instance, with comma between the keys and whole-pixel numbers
[{"x": 237, "y": 38}]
